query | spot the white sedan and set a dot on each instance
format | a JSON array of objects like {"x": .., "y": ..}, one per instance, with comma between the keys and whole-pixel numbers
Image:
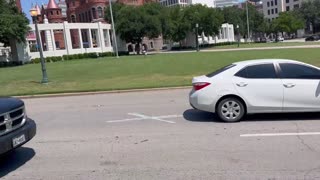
[{"x": 258, "y": 86}]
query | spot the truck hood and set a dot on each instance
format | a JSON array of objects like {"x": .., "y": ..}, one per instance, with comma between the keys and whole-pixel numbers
[{"x": 8, "y": 104}]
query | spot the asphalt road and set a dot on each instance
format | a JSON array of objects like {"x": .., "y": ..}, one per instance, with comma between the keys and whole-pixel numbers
[{"x": 156, "y": 135}]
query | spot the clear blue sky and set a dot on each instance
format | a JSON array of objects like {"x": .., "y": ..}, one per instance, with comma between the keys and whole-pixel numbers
[{"x": 26, "y": 6}]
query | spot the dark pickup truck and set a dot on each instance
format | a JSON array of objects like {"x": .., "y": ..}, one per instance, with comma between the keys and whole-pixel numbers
[{"x": 15, "y": 127}]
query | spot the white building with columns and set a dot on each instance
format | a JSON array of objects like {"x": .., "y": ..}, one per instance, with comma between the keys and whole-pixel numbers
[
  {"x": 226, "y": 34},
  {"x": 183, "y": 3},
  {"x": 91, "y": 38}
]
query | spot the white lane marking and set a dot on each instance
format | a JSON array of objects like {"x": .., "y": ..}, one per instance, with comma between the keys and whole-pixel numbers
[
  {"x": 170, "y": 116},
  {"x": 150, "y": 117},
  {"x": 281, "y": 134},
  {"x": 124, "y": 120},
  {"x": 144, "y": 117}
]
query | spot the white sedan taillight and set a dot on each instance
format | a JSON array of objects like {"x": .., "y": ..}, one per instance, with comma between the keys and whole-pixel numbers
[{"x": 200, "y": 85}]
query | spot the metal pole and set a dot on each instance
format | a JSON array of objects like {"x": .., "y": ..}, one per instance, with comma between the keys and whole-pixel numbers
[
  {"x": 238, "y": 35},
  {"x": 114, "y": 31},
  {"x": 197, "y": 40},
  {"x": 43, "y": 64},
  {"x": 248, "y": 27}
]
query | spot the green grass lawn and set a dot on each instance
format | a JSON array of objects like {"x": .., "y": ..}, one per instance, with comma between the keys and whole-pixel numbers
[
  {"x": 162, "y": 70},
  {"x": 271, "y": 44}
]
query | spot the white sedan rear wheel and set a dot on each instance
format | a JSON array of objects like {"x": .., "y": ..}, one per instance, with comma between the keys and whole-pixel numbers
[{"x": 230, "y": 110}]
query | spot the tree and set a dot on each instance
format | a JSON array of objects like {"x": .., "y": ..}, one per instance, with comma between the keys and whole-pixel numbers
[
  {"x": 129, "y": 24},
  {"x": 166, "y": 23},
  {"x": 234, "y": 15},
  {"x": 153, "y": 23},
  {"x": 13, "y": 24},
  {"x": 238, "y": 16},
  {"x": 116, "y": 7},
  {"x": 288, "y": 22},
  {"x": 179, "y": 26},
  {"x": 311, "y": 13},
  {"x": 208, "y": 19},
  {"x": 133, "y": 23}
]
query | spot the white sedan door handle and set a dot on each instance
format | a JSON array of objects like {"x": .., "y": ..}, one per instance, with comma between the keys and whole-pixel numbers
[
  {"x": 242, "y": 84},
  {"x": 289, "y": 85}
]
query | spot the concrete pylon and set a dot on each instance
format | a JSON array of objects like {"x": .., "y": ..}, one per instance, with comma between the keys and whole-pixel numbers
[{"x": 48, "y": 36}]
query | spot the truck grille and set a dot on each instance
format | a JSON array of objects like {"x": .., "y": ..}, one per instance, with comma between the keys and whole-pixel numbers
[{"x": 12, "y": 120}]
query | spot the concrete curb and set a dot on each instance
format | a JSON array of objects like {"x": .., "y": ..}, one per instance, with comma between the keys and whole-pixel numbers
[
  {"x": 241, "y": 49},
  {"x": 100, "y": 92}
]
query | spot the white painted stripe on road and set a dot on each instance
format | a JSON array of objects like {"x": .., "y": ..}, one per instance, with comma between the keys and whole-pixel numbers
[
  {"x": 144, "y": 117},
  {"x": 150, "y": 117},
  {"x": 124, "y": 120},
  {"x": 281, "y": 134},
  {"x": 158, "y": 119},
  {"x": 170, "y": 116}
]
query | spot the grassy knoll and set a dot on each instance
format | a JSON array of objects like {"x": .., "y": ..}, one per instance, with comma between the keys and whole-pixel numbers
[
  {"x": 162, "y": 70},
  {"x": 271, "y": 44}
]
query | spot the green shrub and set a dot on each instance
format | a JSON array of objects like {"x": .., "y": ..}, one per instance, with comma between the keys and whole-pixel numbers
[
  {"x": 92, "y": 55},
  {"x": 10, "y": 63},
  {"x": 79, "y": 56},
  {"x": 66, "y": 57},
  {"x": 105, "y": 54},
  {"x": 85, "y": 55},
  {"x": 35, "y": 60},
  {"x": 48, "y": 59},
  {"x": 56, "y": 59},
  {"x": 123, "y": 53}
]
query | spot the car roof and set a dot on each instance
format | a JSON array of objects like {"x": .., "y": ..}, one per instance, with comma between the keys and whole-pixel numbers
[{"x": 257, "y": 61}]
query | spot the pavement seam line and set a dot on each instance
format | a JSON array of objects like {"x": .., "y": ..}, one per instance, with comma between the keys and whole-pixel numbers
[
  {"x": 301, "y": 139},
  {"x": 101, "y": 92}
]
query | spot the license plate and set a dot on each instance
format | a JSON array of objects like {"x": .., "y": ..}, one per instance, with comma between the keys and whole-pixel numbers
[{"x": 18, "y": 140}]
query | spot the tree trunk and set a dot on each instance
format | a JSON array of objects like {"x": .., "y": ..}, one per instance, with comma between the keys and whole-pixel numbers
[{"x": 14, "y": 52}]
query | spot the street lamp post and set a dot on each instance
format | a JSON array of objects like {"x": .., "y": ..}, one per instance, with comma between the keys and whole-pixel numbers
[
  {"x": 238, "y": 35},
  {"x": 113, "y": 30},
  {"x": 197, "y": 40},
  {"x": 34, "y": 14},
  {"x": 248, "y": 26}
]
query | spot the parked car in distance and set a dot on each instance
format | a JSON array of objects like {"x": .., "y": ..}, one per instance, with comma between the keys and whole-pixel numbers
[
  {"x": 279, "y": 38},
  {"x": 257, "y": 86},
  {"x": 15, "y": 127},
  {"x": 313, "y": 38}
]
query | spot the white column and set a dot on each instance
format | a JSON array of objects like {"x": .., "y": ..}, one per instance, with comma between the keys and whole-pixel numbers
[
  {"x": 108, "y": 38},
  {"x": 28, "y": 47},
  {"x": 49, "y": 40},
  {"x": 232, "y": 33},
  {"x": 90, "y": 38},
  {"x": 101, "y": 37},
  {"x": 228, "y": 33},
  {"x": 67, "y": 37},
  {"x": 53, "y": 40},
  {"x": 222, "y": 33},
  {"x": 80, "y": 39}
]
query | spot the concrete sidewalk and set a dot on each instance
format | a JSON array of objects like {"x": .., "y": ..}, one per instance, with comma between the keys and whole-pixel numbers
[{"x": 241, "y": 49}]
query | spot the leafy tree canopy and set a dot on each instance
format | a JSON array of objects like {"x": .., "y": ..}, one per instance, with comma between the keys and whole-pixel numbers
[
  {"x": 310, "y": 10},
  {"x": 13, "y": 24},
  {"x": 288, "y": 22}
]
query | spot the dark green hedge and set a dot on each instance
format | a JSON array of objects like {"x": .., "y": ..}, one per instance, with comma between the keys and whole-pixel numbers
[
  {"x": 10, "y": 63},
  {"x": 78, "y": 57},
  {"x": 205, "y": 46}
]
